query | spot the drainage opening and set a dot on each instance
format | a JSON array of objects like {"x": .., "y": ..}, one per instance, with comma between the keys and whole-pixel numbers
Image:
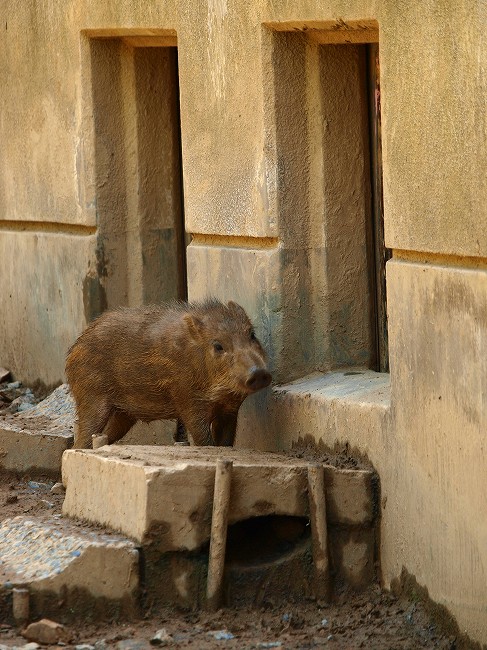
[{"x": 261, "y": 540}]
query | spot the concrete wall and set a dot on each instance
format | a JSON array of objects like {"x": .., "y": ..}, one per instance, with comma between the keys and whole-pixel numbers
[{"x": 275, "y": 197}]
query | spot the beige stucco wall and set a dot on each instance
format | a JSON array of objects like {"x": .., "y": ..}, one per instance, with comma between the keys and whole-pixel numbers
[
  {"x": 260, "y": 196},
  {"x": 438, "y": 325}
]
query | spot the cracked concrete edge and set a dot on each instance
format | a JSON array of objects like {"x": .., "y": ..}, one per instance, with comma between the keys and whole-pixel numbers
[
  {"x": 110, "y": 572},
  {"x": 36, "y": 439}
]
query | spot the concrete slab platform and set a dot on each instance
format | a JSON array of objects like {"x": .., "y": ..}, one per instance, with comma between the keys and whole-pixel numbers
[
  {"x": 164, "y": 495},
  {"x": 62, "y": 563}
]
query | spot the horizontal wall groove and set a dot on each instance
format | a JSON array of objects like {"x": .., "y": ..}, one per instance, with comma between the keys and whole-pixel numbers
[
  {"x": 50, "y": 227},
  {"x": 440, "y": 259},
  {"x": 234, "y": 241}
]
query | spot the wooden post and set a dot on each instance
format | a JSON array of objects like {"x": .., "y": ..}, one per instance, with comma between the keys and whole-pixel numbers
[
  {"x": 317, "y": 510},
  {"x": 218, "y": 539},
  {"x": 20, "y": 605}
]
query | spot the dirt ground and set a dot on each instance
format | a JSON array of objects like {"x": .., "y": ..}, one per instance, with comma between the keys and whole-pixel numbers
[{"x": 373, "y": 619}]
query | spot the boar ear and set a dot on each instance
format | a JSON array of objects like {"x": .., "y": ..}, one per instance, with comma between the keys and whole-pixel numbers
[
  {"x": 233, "y": 306},
  {"x": 195, "y": 325}
]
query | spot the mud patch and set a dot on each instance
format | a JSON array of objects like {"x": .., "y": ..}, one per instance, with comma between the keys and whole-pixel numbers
[
  {"x": 371, "y": 620},
  {"x": 340, "y": 456},
  {"x": 22, "y": 495},
  {"x": 407, "y": 586}
]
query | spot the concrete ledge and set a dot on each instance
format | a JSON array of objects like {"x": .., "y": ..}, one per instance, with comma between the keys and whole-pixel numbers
[
  {"x": 321, "y": 408},
  {"x": 54, "y": 557},
  {"x": 165, "y": 494},
  {"x": 352, "y": 385}
]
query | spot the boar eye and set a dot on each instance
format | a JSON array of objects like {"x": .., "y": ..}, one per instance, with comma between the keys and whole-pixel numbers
[
  {"x": 252, "y": 336},
  {"x": 217, "y": 346}
]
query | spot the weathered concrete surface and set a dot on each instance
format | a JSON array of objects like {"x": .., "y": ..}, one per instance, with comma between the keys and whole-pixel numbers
[
  {"x": 422, "y": 428},
  {"x": 434, "y": 471},
  {"x": 47, "y": 293},
  {"x": 53, "y": 557},
  {"x": 228, "y": 267},
  {"x": 435, "y": 188},
  {"x": 60, "y": 169},
  {"x": 252, "y": 197},
  {"x": 36, "y": 439},
  {"x": 168, "y": 491},
  {"x": 97, "y": 215},
  {"x": 313, "y": 277}
]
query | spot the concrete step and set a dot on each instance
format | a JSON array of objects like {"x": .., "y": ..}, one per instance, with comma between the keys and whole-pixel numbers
[
  {"x": 68, "y": 568},
  {"x": 35, "y": 440},
  {"x": 162, "y": 497}
]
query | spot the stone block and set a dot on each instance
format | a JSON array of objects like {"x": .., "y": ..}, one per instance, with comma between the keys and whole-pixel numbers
[
  {"x": 165, "y": 494},
  {"x": 47, "y": 632}
]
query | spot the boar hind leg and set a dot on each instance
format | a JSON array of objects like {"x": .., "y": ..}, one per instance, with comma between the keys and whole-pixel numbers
[
  {"x": 91, "y": 421},
  {"x": 117, "y": 426},
  {"x": 223, "y": 429}
]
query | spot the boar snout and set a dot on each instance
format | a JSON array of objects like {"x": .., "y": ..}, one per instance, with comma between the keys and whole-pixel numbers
[{"x": 258, "y": 378}]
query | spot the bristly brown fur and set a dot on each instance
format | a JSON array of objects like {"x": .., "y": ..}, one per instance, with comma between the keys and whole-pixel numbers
[{"x": 192, "y": 361}]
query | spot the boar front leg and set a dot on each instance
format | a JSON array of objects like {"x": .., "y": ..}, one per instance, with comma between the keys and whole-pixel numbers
[{"x": 198, "y": 430}]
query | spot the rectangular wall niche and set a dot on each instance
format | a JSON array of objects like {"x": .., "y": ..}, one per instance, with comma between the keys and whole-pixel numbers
[
  {"x": 327, "y": 110},
  {"x": 137, "y": 145}
]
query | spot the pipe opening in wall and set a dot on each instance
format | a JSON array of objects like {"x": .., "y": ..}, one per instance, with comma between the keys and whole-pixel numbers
[{"x": 264, "y": 540}]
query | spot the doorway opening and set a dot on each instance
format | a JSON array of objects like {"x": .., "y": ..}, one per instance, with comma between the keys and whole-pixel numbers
[
  {"x": 326, "y": 96},
  {"x": 141, "y": 246}
]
